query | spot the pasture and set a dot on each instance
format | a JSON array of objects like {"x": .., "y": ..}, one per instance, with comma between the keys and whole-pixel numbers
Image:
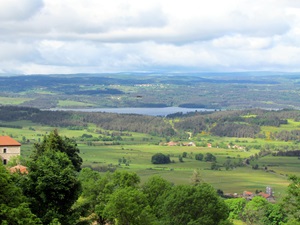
[{"x": 230, "y": 181}]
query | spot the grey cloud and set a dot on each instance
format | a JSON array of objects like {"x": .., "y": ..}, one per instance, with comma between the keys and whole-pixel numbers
[
  {"x": 15, "y": 10},
  {"x": 90, "y": 37},
  {"x": 18, "y": 51}
]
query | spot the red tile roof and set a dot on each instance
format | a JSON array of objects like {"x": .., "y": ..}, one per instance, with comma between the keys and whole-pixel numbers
[
  {"x": 22, "y": 169},
  {"x": 8, "y": 141},
  {"x": 248, "y": 193},
  {"x": 264, "y": 195}
]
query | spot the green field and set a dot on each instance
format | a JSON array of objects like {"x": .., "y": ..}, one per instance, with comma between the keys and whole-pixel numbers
[
  {"x": 139, "y": 148},
  {"x": 230, "y": 181},
  {"x": 12, "y": 101}
]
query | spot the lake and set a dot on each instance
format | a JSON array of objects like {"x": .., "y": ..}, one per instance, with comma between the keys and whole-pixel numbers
[{"x": 143, "y": 111}]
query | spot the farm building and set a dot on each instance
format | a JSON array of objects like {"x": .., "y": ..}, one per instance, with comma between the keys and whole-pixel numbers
[{"x": 8, "y": 148}]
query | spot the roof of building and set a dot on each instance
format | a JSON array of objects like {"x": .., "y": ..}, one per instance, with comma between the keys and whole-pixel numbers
[
  {"x": 247, "y": 193},
  {"x": 264, "y": 195},
  {"x": 8, "y": 141},
  {"x": 17, "y": 168}
]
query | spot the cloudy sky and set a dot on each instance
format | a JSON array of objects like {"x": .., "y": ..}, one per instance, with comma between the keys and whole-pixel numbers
[{"x": 96, "y": 36}]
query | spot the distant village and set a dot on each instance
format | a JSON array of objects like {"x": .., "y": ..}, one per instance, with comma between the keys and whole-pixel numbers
[
  {"x": 268, "y": 195},
  {"x": 209, "y": 145}
]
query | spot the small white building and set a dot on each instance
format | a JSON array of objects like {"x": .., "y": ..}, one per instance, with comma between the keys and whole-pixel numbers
[{"x": 8, "y": 148}]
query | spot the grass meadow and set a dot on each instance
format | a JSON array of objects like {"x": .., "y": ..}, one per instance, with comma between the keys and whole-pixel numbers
[{"x": 230, "y": 181}]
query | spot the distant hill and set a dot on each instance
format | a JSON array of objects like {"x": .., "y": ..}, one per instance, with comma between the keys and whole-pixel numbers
[{"x": 208, "y": 90}]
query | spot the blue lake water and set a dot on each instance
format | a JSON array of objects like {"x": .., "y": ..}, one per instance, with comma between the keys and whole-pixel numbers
[{"x": 143, "y": 111}]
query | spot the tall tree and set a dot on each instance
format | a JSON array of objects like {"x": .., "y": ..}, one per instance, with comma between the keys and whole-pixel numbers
[
  {"x": 94, "y": 196},
  {"x": 109, "y": 184},
  {"x": 128, "y": 206},
  {"x": 236, "y": 207},
  {"x": 260, "y": 211},
  {"x": 55, "y": 142},
  {"x": 52, "y": 185},
  {"x": 292, "y": 199},
  {"x": 155, "y": 189},
  {"x": 199, "y": 204}
]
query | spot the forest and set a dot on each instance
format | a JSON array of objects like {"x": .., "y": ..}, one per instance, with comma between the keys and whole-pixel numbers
[{"x": 237, "y": 123}]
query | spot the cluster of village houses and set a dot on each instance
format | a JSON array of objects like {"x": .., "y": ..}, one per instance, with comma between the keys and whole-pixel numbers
[
  {"x": 209, "y": 145},
  {"x": 268, "y": 195},
  {"x": 10, "y": 148}
]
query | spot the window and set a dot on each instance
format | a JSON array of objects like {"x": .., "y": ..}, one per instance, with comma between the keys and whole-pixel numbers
[
  {"x": 4, "y": 161},
  {"x": 4, "y": 150}
]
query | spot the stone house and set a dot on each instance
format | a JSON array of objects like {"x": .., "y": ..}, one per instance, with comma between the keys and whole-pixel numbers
[{"x": 8, "y": 148}]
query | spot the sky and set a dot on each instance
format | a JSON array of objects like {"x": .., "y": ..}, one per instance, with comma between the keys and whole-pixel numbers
[{"x": 108, "y": 36}]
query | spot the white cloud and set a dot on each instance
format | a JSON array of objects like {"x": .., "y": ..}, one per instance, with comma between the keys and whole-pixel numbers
[{"x": 100, "y": 35}]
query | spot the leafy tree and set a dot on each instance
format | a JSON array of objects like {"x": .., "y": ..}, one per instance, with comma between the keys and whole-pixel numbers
[
  {"x": 228, "y": 164},
  {"x": 209, "y": 158},
  {"x": 186, "y": 204},
  {"x": 180, "y": 158},
  {"x": 199, "y": 156},
  {"x": 276, "y": 215},
  {"x": 215, "y": 166},
  {"x": 92, "y": 183},
  {"x": 260, "y": 211},
  {"x": 236, "y": 207},
  {"x": 128, "y": 206},
  {"x": 14, "y": 208},
  {"x": 52, "y": 187},
  {"x": 160, "y": 158},
  {"x": 255, "y": 211},
  {"x": 124, "y": 179},
  {"x": 108, "y": 185},
  {"x": 291, "y": 202},
  {"x": 54, "y": 142},
  {"x": 155, "y": 188}
]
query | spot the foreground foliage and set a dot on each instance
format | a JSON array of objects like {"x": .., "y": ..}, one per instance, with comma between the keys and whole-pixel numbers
[
  {"x": 14, "y": 206},
  {"x": 51, "y": 185}
]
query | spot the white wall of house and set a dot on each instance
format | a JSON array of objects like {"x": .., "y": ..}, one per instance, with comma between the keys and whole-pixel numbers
[{"x": 6, "y": 152}]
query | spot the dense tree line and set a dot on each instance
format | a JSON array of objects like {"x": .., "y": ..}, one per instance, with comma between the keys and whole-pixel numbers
[
  {"x": 108, "y": 121},
  {"x": 237, "y": 123},
  {"x": 235, "y": 130},
  {"x": 130, "y": 122},
  {"x": 293, "y": 135},
  {"x": 13, "y": 113},
  {"x": 287, "y": 153}
]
